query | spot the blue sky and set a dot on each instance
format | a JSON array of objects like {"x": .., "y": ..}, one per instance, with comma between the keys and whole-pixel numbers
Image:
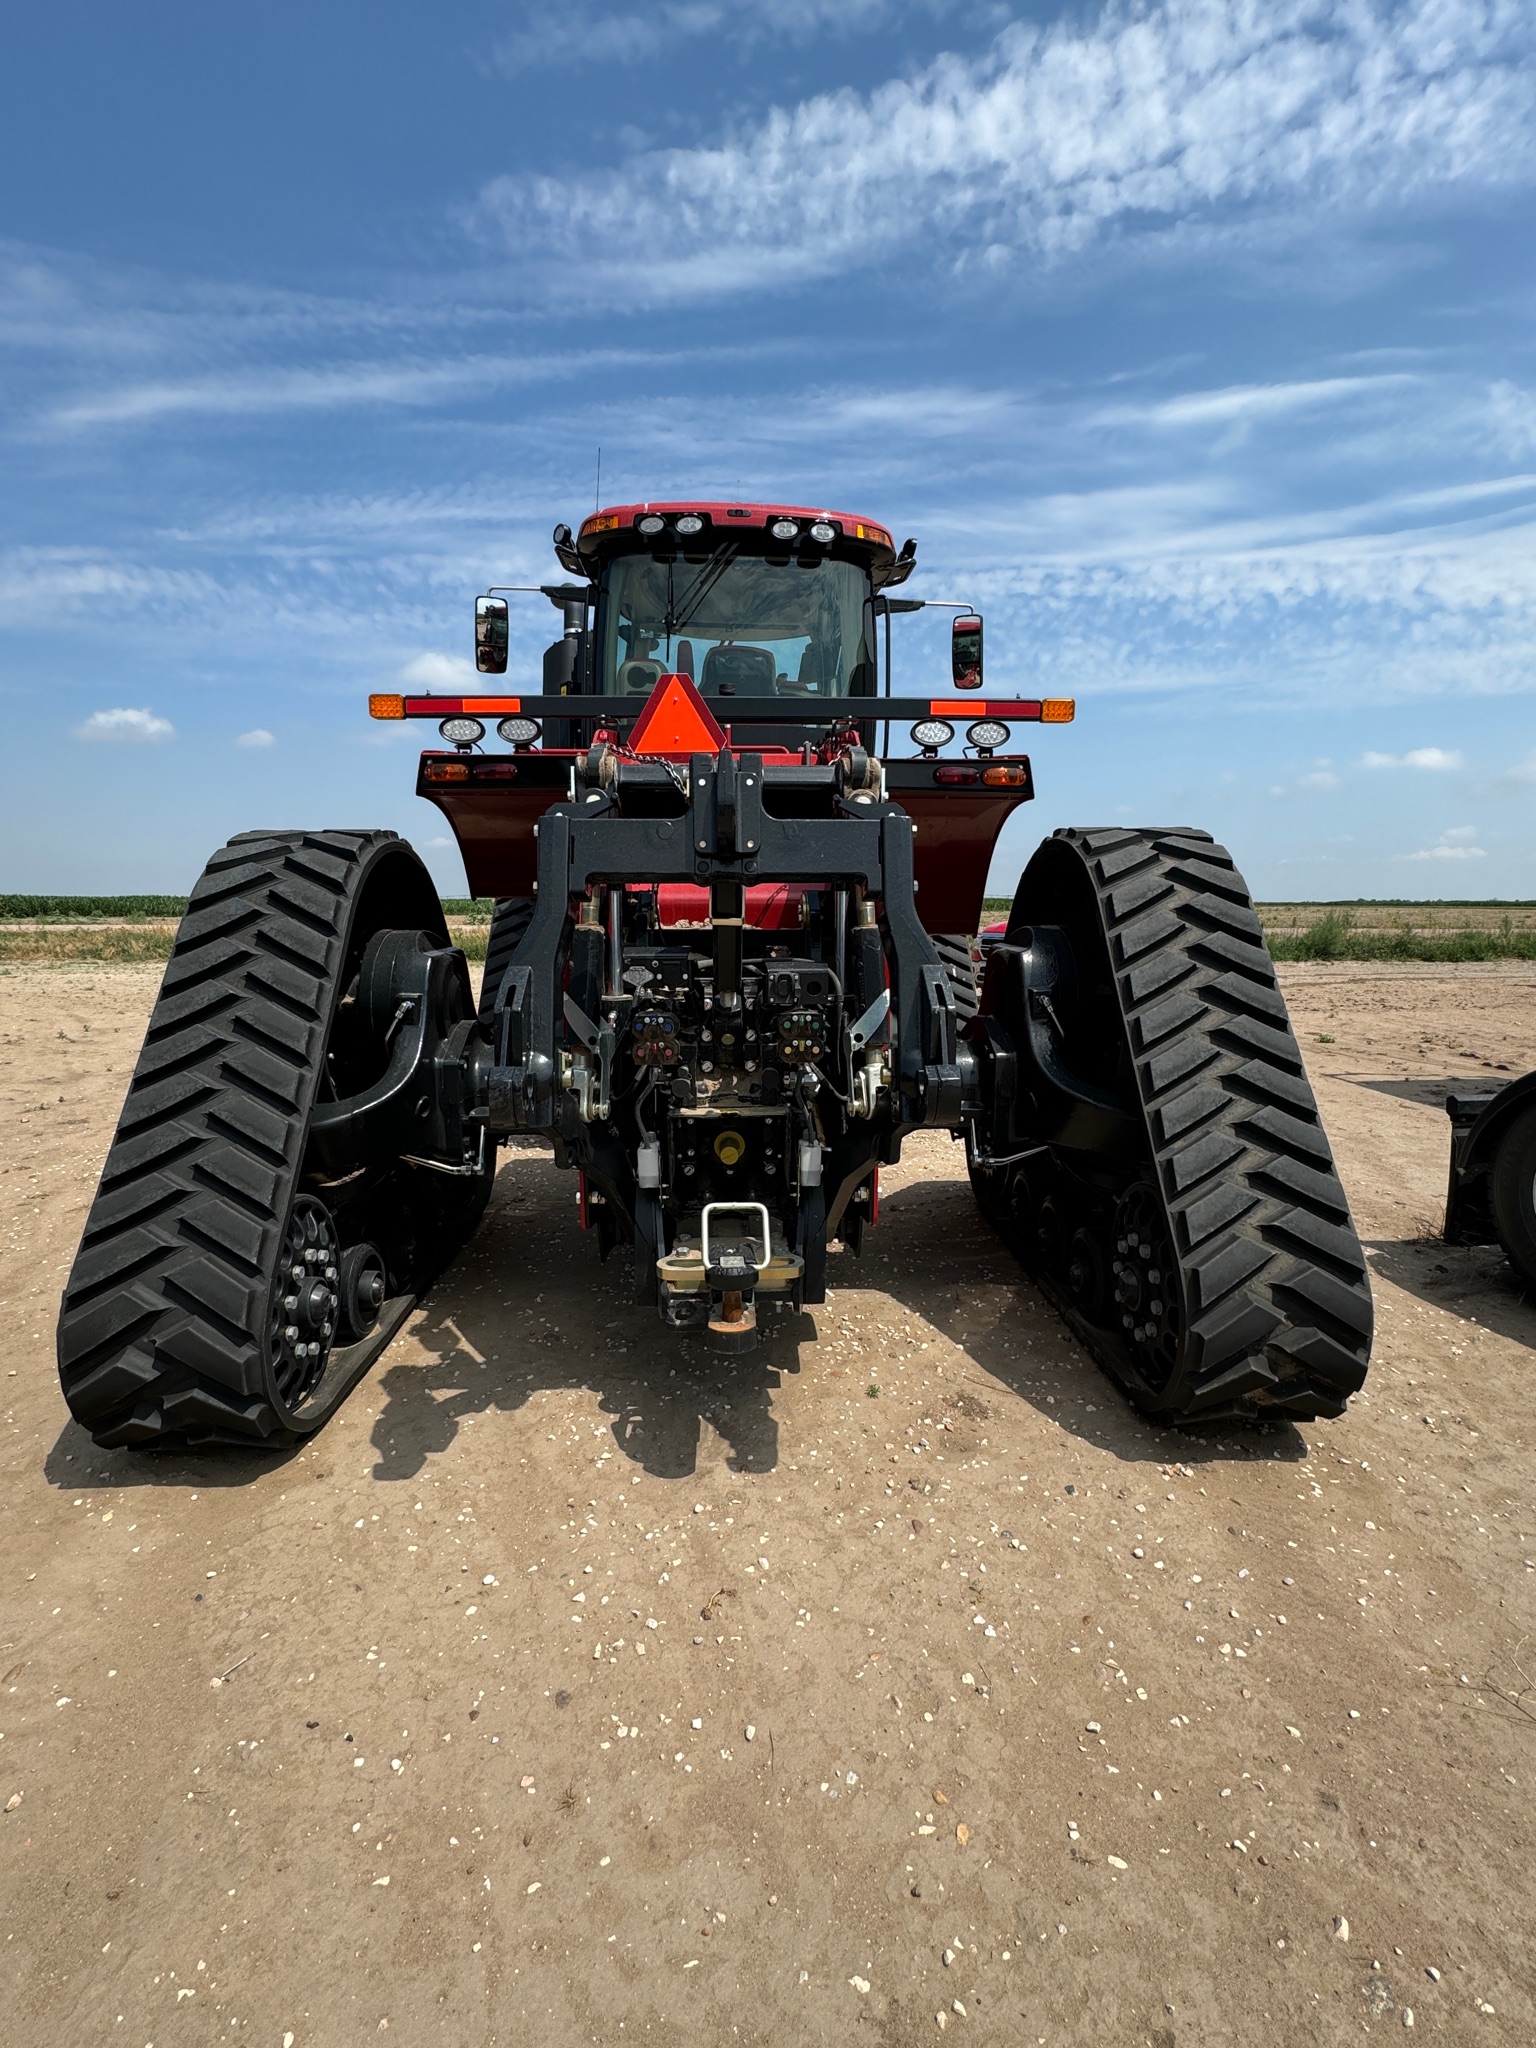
[{"x": 1193, "y": 341}]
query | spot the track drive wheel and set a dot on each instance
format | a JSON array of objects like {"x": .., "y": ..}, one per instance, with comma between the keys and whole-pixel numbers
[
  {"x": 1198, "y": 1239},
  {"x": 224, "y": 1291}
]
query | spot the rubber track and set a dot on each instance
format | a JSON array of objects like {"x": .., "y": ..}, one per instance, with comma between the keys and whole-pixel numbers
[
  {"x": 156, "y": 1331},
  {"x": 1277, "y": 1295},
  {"x": 510, "y": 919},
  {"x": 956, "y": 950}
]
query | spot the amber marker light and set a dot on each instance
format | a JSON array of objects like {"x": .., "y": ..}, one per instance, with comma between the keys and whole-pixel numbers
[
  {"x": 1058, "y": 710},
  {"x": 386, "y": 707}
]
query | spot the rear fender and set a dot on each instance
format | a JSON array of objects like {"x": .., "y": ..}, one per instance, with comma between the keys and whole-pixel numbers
[{"x": 1029, "y": 1007}]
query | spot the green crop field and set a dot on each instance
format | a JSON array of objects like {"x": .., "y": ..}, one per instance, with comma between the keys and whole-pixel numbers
[{"x": 141, "y": 928}]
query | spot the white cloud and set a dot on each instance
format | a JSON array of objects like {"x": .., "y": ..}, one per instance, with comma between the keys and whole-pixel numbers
[
  {"x": 125, "y": 725},
  {"x": 1320, "y": 778},
  {"x": 1437, "y": 760},
  {"x": 439, "y": 672},
  {"x": 259, "y": 737},
  {"x": 1452, "y": 845},
  {"x": 1183, "y": 113}
]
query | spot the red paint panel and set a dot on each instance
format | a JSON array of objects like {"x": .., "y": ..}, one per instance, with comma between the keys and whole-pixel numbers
[
  {"x": 461, "y": 707},
  {"x": 953, "y": 851},
  {"x": 494, "y": 828},
  {"x": 770, "y": 907},
  {"x": 1023, "y": 708}
]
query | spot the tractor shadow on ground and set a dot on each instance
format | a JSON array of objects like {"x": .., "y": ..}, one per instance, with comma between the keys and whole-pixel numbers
[
  {"x": 74, "y": 1461},
  {"x": 527, "y": 1310},
  {"x": 1432, "y": 1094},
  {"x": 1473, "y": 1281},
  {"x": 660, "y": 1397}
]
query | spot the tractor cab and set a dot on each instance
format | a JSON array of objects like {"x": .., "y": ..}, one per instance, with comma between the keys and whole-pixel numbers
[{"x": 747, "y": 601}]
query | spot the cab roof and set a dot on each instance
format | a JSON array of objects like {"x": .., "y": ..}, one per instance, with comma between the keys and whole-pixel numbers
[{"x": 606, "y": 530}]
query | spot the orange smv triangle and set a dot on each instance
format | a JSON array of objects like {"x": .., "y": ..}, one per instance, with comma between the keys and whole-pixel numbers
[{"x": 676, "y": 721}]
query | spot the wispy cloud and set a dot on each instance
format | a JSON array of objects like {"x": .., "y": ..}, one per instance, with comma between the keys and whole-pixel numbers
[
  {"x": 1243, "y": 402},
  {"x": 1147, "y": 117},
  {"x": 123, "y": 724},
  {"x": 289, "y": 390},
  {"x": 300, "y": 388},
  {"x": 257, "y": 737},
  {"x": 1437, "y": 760},
  {"x": 581, "y": 33}
]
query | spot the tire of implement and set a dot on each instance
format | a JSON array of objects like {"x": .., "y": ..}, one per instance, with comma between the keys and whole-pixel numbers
[
  {"x": 169, "y": 1327},
  {"x": 1273, "y": 1313},
  {"x": 1512, "y": 1193}
]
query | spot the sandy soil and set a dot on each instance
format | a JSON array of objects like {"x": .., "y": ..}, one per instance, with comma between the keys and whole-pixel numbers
[{"x": 575, "y": 1687}]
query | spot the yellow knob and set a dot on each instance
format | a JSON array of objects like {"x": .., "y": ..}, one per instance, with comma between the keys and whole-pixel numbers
[{"x": 729, "y": 1147}]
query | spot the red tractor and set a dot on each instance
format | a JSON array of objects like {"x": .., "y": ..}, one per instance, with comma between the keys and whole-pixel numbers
[{"x": 732, "y": 965}]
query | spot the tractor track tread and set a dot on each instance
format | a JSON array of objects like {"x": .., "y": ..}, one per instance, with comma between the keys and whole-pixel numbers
[
  {"x": 509, "y": 921},
  {"x": 155, "y": 1330},
  {"x": 959, "y": 962},
  {"x": 1278, "y": 1313}
]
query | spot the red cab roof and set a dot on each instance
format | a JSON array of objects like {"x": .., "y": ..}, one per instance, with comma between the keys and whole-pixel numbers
[{"x": 726, "y": 517}]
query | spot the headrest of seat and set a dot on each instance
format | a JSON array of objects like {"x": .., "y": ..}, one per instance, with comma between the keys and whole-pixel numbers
[{"x": 743, "y": 671}]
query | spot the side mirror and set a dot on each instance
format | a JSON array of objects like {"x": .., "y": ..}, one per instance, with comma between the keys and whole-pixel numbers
[
  {"x": 965, "y": 652},
  {"x": 491, "y": 635}
]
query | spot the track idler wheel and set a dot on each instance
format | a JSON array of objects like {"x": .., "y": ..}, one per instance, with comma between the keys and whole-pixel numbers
[
  {"x": 1087, "y": 1272},
  {"x": 362, "y": 1289},
  {"x": 1146, "y": 1284}
]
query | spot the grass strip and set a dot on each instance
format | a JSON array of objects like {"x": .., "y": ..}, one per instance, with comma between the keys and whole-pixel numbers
[
  {"x": 90, "y": 909},
  {"x": 1335, "y": 936},
  {"x": 66, "y": 928},
  {"x": 84, "y": 909},
  {"x": 131, "y": 945}
]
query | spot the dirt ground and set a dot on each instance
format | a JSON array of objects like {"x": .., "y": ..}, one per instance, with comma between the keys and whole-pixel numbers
[{"x": 574, "y": 1686}]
